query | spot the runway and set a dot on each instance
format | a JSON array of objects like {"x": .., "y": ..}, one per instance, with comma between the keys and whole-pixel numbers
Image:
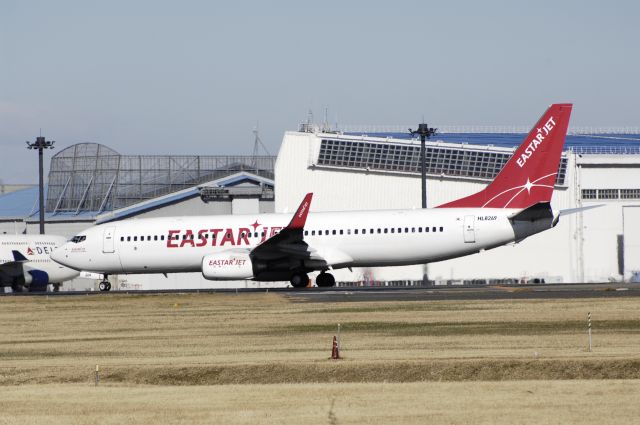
[
  {"x": 548, "y": 291},
  {"x": 373, "y": 294}
]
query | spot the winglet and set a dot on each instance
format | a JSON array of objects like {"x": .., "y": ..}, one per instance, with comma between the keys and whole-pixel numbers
[
  {"x": 18, "y": 257},
  {"x": 300, "y": 217}
]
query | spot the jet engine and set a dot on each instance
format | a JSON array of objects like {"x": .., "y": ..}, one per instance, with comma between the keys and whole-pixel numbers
[
  {"x": 36, "y": 277},
  {"x": 36, "y": 280},
  {"x": 227, "y": 265}
]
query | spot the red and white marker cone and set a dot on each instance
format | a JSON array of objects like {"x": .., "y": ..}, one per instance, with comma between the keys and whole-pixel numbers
[{"x": 335, "y": 351}]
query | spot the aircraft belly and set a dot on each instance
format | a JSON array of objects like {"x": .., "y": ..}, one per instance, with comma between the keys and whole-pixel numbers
[{"x": 165, "y": 261}]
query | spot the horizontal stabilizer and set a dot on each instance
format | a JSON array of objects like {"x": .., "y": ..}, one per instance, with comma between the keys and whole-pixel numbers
[
  {"x": 539, "y": 211},
  {"x": 577, "y": 210}
]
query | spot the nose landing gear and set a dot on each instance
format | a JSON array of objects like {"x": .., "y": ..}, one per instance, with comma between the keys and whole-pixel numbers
[{"x": 105, "y": 285}]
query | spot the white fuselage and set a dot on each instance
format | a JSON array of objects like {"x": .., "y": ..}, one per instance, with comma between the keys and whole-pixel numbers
[
  {"x": 36, "y": 249},
  {"x": 342, "y": 239}
]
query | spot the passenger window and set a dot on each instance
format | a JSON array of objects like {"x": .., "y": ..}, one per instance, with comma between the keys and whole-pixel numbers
[
  {"x": 161, "y": 237},
  {"x": 355, "y": 231},
  {"x": 426, "y": 229},
  {"x": 135, "y": 239},
  {"x": 128, "y": 238},
  {"x": 413, "y": 230},
  {"x": 341, "y": 231},
  {"x": 313, "y": 233},
  {"x": 393, "y": 230},
  {"x": 419, "y": 229},
  {"x": 306, "y": 233},
  {"x": 155, "y": 237},
  {"x": 121, "y": 238},
  {"x": 442, "y": 229},
  {"x": 433, "y": 229},
  {"x": 386, "y": 230},
  {"x": 379, "y": 230}
]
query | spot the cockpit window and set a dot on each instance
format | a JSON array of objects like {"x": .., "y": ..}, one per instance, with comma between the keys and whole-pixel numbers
[{"x": 78, "y": 239}]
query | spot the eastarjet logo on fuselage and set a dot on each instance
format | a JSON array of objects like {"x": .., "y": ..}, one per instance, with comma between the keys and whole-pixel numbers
[
  {"x": 218, "y": 237},
  {"x": 537, "y": 141}
]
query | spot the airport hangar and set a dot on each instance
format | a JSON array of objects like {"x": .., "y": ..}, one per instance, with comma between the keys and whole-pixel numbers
[{"x": 91, "y": 184}]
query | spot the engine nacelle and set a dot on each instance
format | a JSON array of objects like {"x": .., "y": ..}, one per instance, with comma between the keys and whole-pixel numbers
[
  {"x": 36, "y": 277},
  {"x": 227, "y": 265},
  {"x": 36, "y": 280}
]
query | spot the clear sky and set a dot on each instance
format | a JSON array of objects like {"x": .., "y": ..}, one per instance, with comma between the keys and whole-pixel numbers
[{"x": 194, "y": 77}]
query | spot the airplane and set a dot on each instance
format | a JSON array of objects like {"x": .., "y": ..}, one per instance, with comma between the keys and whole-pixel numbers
[
  {"x": 279, "y": 247},
  {"x": 25, "y": 262}
]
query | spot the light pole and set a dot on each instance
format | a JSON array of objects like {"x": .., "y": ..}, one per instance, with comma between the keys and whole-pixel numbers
[
  {"x": 40, "y": 144},
  {"x": 425, "y": 133}
]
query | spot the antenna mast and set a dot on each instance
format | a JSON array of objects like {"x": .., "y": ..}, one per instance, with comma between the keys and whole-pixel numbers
[{"x": 257, "y": 142}]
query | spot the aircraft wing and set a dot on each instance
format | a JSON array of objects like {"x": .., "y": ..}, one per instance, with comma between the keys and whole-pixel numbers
[
  {"x": 18, "y": 258},
  {"x": 289, "y": 242},
  {"x": 11, "y": 268}
]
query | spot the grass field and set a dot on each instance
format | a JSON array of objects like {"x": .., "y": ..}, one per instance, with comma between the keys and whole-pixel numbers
[{"x": 261, "y": 358}]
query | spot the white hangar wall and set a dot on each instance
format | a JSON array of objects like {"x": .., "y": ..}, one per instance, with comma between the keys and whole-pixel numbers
[{"x": 582, "y": 247}]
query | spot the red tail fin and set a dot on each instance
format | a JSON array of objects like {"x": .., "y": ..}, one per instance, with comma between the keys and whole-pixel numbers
[{"x": 529, "y": 176}]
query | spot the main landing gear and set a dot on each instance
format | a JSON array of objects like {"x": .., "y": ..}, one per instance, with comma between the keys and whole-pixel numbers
[
  {"x": 105, "y": 285},
  {"x": 325, "y": 280},
  {"x": 301, "y": 280}
]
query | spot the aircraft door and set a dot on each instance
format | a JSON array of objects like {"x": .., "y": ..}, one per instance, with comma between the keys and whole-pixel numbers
[
  {"x": 108, "y": 244},
  {"x": 469, "y": 229}
]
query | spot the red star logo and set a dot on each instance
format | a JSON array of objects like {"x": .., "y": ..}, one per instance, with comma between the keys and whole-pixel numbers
[{"x": 255, "y": 225}]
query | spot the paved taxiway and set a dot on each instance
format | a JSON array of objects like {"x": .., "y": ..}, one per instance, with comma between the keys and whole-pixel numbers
[{"x": 355, "y": 294}]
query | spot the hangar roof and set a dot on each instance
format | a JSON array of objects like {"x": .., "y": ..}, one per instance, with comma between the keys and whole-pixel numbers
[
  {"x": 19, "y": 204},
  {"x": 23, "y": 204},
  {"x": 226, "y": 182},
  {"x": 92, "y": 177},
  {"x": 601, "y": 143}
]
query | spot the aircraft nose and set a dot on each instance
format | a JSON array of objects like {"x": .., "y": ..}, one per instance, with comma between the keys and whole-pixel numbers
[{"x": 61, "y": 255}]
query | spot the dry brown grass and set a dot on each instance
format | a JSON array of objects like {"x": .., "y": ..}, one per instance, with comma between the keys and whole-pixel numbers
[
  {"x": 505, "y": 361},
  {"x": 263, "y": 338},
  {"x": 513, "y": 402}
]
